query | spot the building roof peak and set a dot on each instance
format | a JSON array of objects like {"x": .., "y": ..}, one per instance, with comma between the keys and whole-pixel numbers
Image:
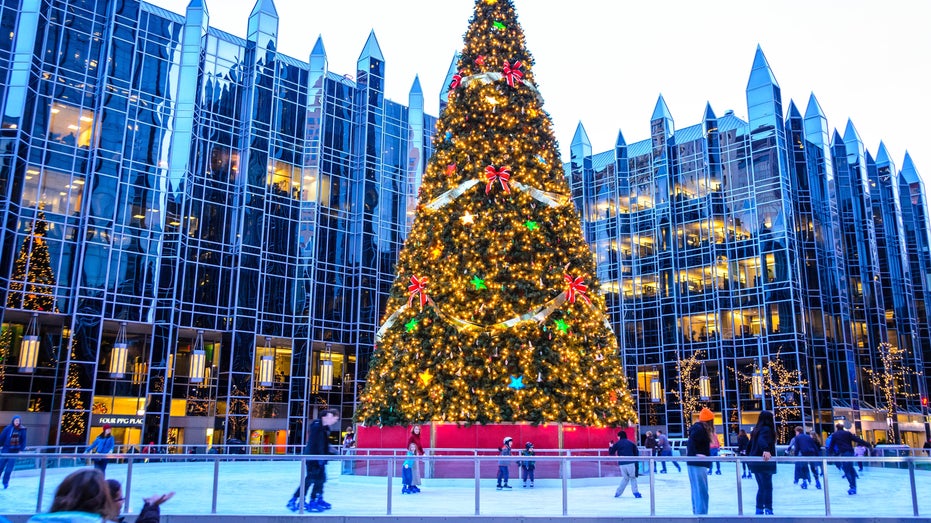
[
  {"x": 814, "y": 108},
  {"x": 580, "y": 137},
  {"x": 371, "y": 48},
  {"x": 761, "y": 73},
  {"x": 264, "y": 7},
  {"x": 661, "y": 110}
]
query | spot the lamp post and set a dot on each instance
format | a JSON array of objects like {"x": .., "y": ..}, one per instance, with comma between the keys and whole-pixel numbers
[
  {"x": 326, "y": 369},
  {"x": 29, "y": 348},
  {"x": 198, "y": 359},
  {"x": 267, "y": 365},
  {"x": 704, "y": 384},
  {"x": 656, "y": 388},
  {"x": 119, "y": 353}
]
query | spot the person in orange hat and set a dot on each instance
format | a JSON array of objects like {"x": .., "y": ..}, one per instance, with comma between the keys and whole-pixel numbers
[
  {"x": 699, "y": 445},
  {"x": 102, "y": 445}
]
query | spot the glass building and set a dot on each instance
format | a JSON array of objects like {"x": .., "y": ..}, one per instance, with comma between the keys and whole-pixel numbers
[
  {"x": 763, "y": 264},
  {"x": 199, "y": 232}
]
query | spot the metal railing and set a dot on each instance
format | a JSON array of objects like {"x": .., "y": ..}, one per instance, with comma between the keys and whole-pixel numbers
[{"x": 570, "y": 471}]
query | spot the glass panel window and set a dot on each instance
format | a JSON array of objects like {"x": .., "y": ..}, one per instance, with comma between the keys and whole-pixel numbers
[
  {"x": 55, "y": 192},
  {"x": 70, "y": 125}
]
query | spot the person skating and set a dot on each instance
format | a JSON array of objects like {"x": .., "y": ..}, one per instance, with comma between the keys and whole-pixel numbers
[
  {"x": 699, "y": 444},
  {"x": 804, "y": 445},
  {"x": 504, "y": 464},
  {"x": 763, "y": 444},
  {"x": 407, "y": 471},
  {"x": 103, "y": 444},
  {"x": 842, "y": 445},
  {"x": 414, "y": 437},
  {"x": 317, "y": 445},
  {"x": 12, "y": 441},
  {"x": 649, "y": 442},
  {"x": 665, "y": 449},
  {"x": 743, "y": 443},
  {"x": 628, "y": 468},
  {"x": 527, "y": 466},
  {"x": 715, "y": 448}
]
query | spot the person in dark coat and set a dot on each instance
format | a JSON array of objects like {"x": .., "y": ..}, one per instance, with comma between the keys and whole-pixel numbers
[
  {"x": 743, "y": 444},
  {"x": 150, "y": 512},
  {"x": 627, "y": 448},
  {"x": 103, "y": 444},
  {"x": 699, "y": 444},
  {"x": 414, "y": 437},
  {"x": 842, "y": 445},
  {"x": 763, "y": 444},
  {"x": 12, "y": 441},
  {"x": 649, "y": 442},
  {"x": 317, "y": 445},
  {"x": 804, "y": 445}
]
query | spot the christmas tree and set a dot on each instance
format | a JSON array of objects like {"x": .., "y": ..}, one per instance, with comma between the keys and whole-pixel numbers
[
  {"x": 495, "y": 315},
  {"x": 32, "y": 284}
]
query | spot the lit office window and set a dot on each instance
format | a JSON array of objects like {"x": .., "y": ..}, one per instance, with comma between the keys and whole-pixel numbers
[{"x": 70, "y": 125}]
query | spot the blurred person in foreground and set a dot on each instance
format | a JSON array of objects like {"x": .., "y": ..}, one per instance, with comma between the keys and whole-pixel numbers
[{"x": 150, "y": 512}]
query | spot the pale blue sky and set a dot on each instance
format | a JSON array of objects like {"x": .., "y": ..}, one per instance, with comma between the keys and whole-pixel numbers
[{"x": 604, "y": 62}]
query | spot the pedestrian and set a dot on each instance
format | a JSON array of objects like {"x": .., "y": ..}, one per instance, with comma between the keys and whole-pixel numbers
[
  {"x": 317, "y": 445},
  {"x": 349, "y": 449},
  {"x": 503, "y": 464},
  {"x": 407, "y": 472},
  {"x": 103, "y": 444},
  {"x": 860, "y": 452},
  {"x": 414, "y": 437},
  {"x": 743, "y": 444},
  {"x": 842, "y": 445},
  {"x": 527, "y": 466},
  {"x": 665, "y": 449},
  {"x": 763, "y": 444},
  {"x": 927, "y": 447},
  {"x": 12, "y": 441},
  {"x": 82, "y": 497},
  {"x": 699, "y": 445},
  {"x": 715, "y": 447},
  {"x": 150, "y": 510},
  {"x": 628, "y": 468},
  {"x": 805, "y": 445},
  {"x": 649, "y": 442}
]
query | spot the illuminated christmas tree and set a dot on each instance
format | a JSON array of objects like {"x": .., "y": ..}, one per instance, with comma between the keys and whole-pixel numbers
[
  {"x": 74, "y": 419},
  {"x": 6, "y": 344},
  {"x": 495, "y": 315},
  {"x": 32, "y": 284}
]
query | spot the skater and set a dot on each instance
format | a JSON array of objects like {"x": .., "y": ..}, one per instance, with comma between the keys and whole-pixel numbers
[
  {"x": 665, "y": 449},
  {"x": 317, "y": 445},
  {"x": 715, "y": 448},
  {"x": 649, "y": 442},
  {"x": 626, "y": 448},
  {"x": 407, "y": 472},
  {"x": 12, "y": 441},
  {"x": 503, "y": 472},
  {"x": 842, "y": 445},
  {"x": 743, "y": 443},
  {"x": 804, "y": 445},
  {"x": 763, "y": 444},
  {"x": 103, "y": 444},
  {"x": 414, "y": 437},
  {"x": 83, "y": 495},
  {"x": 527, "y": 466},
  {"x": 349, "y": 449},
  {"x": 699, "y": 444},
  {"x": 860, "y": 452}
]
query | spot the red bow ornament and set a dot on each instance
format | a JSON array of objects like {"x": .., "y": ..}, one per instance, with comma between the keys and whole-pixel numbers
[
  {"x": 457, "y": 80},
  {"x": 576, "y": 287},
  {"x": 418, "y": 286},
  {"x": 512, "y": 73},
  {"x": 502, "y": 176}
]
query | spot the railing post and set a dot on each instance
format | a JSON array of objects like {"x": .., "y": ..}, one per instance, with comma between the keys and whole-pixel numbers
[
  {"x": 824, "y": 481},
  {"x": 216, "y": 483},
  {"x": 911, "y": 478},
  {"x": 302, "y": 486},
  {"x": 478, "y": 480},
  {"x": 128, "y": 491},
  {"x": 44, "y": 466},
  {"x": 652, "y": 472},
  {"x": 565, "y": 483},
  {"x": 740, "y": 493},
  {"x": 390, "y": 474}
]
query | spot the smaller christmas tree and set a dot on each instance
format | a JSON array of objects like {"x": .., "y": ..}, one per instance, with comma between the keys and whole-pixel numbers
[{"x": 32, "y": 284}]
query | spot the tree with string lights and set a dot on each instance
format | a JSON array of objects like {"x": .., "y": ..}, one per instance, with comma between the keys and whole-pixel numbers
[
  {"x": 32, "y": 284},
  {"x": 74, "y": 419},
  {"x": 495, "y": 314},
  {"x": 783, "y": 387},
  {"x": 6, "y": 346},
  {"x": 890, "y": 382},
  {"x": 688, "y": 392}
]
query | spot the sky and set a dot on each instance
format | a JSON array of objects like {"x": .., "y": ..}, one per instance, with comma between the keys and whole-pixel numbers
[
  {"x": 605, "y": 63},
  {"x": 264, "y": 487}
]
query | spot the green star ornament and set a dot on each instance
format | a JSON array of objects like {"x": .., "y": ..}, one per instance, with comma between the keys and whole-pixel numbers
[
  {"x": 562, "y": 325},
  {"x": 411, "y": 325},
  {"x": 478, "y": 282},
  {"x": 531, "y": 225}
]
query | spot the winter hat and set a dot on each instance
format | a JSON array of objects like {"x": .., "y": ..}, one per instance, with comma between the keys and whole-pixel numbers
[
  {"x": 706, "y": 415},
  {"x": 529, "y": 445},
  {"x": 13, "y": 421},
  {"x": 106, "y": 426},
  {"x": 508, "y": 440}
]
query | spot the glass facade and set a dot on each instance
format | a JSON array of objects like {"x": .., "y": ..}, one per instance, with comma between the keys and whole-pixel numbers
[
  {"x": 228, "y": 211},
  {"x": 766, "y": 253}
]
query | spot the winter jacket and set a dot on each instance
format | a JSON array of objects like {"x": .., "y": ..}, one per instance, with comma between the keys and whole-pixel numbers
[
  {"x": 842, "y": 442},
  {"x": 662, "y": 443},
  {"x": 149, "y": 514},
  {"x": 13, "y": 439},
  {"x": 698, "y": 443},
  {"x": 763, "y": 439},
  {"x": 67, "y": 517},
  {"x": 505, "y": 451},
  {"x": 804, "y": 445},
  {"x": 102, "y": 445},
  {"x": 318, "y": 441},
  {"x": 415, "y": 439},
  {"x": 743, "y": 443},
  {"x": 624, "y": 447},
  {"x": 530, "y": 464}
]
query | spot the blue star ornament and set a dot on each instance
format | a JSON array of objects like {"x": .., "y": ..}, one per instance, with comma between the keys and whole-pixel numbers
[{"x": 517, "y": 383}]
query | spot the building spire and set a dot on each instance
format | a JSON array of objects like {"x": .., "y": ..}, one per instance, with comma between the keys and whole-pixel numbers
[
  {"x": 761, "y": 74},
  {"x": 371, "y": 48},
  {"x": 814, "y": 108},
  {"x": 580, "y": 137},
  {"x": 264, "y": 7},
  {"x": 661, "y": 111}
]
